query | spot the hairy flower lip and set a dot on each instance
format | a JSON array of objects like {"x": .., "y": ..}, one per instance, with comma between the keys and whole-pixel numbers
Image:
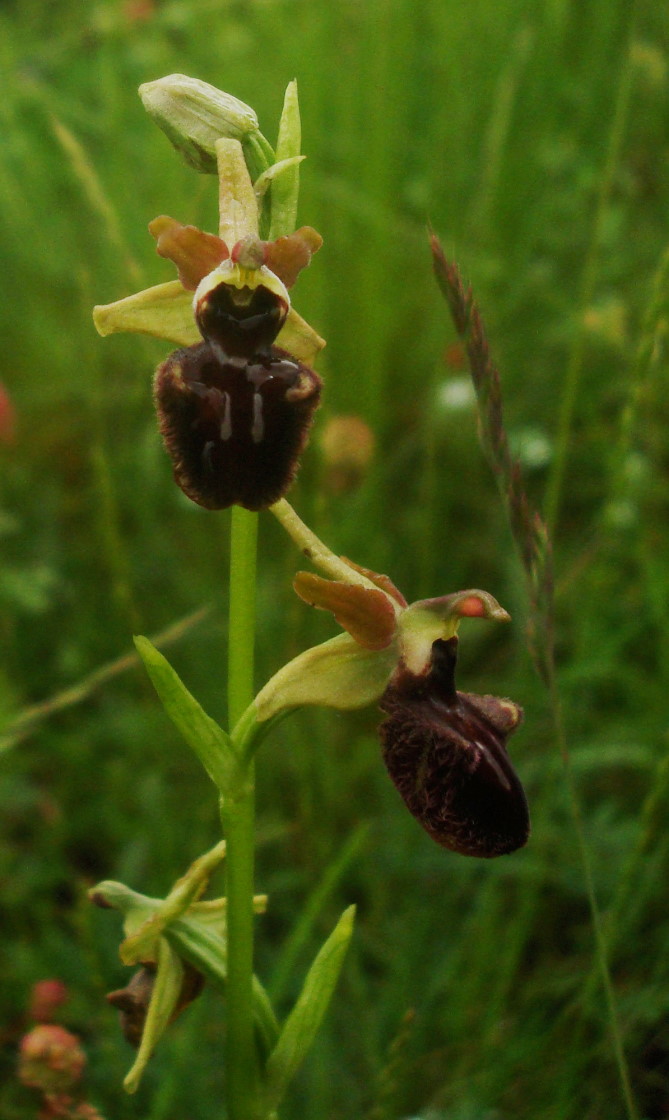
[{"x": 446, "y": 754}]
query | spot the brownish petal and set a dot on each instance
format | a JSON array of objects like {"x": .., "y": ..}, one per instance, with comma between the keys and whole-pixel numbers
[
  {"x": 367, "y": 615},
  {"x": 194, "y": 252},
  {"x": 384, "y": 582},
  {"x": 287, "y": 256},
  {"x": 132, "y": 1002}
]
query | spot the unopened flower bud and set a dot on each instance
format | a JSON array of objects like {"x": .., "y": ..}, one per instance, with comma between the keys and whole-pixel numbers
[
  {"x": 50, "y": 1059},
  {"x": 194, "y": 115},
  {"x": 446, "y": 753}
]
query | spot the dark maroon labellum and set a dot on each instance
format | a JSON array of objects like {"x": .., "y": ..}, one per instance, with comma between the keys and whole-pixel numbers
[
  {"x": 446, "y": 753},
  {"x": 235, "y": 410},
  {"x": 242, "y": 321}
]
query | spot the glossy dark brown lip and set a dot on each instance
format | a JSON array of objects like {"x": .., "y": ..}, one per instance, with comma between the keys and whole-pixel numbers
[
  {"x": 446, "y": 753},
  {"x": 235, "y": 429},
  {"x": 235, "y": 410}
]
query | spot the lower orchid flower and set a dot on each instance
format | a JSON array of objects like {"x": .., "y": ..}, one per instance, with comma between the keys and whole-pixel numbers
[{"x": 445, "y": 750}]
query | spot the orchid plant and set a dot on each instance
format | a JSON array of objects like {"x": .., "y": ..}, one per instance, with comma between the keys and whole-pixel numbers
[{"x": 235, "y": 403}]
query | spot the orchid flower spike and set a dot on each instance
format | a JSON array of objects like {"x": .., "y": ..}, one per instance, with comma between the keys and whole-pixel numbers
[{"x": 236, "y": 401}]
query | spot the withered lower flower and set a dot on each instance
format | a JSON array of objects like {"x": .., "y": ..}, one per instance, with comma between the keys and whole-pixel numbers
[
  {"x": 132, "y": 1002},
  {"x": 446, "y": 753}
]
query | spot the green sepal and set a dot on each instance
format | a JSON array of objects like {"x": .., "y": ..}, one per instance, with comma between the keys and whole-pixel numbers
[
  {"x": 209, "y": 741},
  {"x": 205, "y": 946},
  {"x": 163, "y": 311},
  {"x": 166, "y": 311},
  {"x": 286, "y": 188},
  {"x": 183, "y": 897},
  {"x": 336, "y": 674},
  {"x": 164, "y": 999},
  {"x": 299, "y": 1029}
]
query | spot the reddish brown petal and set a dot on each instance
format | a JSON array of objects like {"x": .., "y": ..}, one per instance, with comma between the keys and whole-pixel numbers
[
  {"x": 287, "y": 256},
  {"x": 194, "y": 252},
  {"x": 384, "y": 582},
  {"x": 368, "y": 615}
]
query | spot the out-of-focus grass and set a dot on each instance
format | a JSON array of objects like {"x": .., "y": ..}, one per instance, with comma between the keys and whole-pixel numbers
[{"x": 495, "y": 121}]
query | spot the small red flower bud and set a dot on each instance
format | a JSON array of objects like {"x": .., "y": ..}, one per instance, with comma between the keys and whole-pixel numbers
[
  {"x": 45, "y": 999},
  {"x": 446, "y": 753},
  {"x": 50, "y": 1059}
]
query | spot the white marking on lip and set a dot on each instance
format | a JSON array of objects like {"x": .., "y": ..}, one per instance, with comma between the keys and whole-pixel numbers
[
  {"x": 493, "y": 764},
  {"x": 226, "y": 422},
  {"x": 258, "y": 426}
]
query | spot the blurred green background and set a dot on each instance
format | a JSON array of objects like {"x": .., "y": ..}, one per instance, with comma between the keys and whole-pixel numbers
[{"x": 533, "y": 136}]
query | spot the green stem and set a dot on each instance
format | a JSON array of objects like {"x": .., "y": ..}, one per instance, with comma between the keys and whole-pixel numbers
[
  {"x": 238, "y": 817},
  {"x": 313, "y": 548}
]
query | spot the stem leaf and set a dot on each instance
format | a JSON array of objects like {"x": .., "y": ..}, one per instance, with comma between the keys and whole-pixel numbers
[
  {"x": 299, "y": 1030},
  {"x": 209, "y": 741}
]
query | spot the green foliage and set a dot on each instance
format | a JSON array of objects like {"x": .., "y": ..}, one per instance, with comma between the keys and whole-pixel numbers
[
  {"x": 504, "y": 125},
  {"x": 209, "y": 741},
  {"x": 299, "y": 1030}
]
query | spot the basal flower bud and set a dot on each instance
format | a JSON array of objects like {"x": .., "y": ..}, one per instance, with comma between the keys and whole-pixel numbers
[
  {"x": 446, "y": 753},
  {"x": 194, "y": 115}
]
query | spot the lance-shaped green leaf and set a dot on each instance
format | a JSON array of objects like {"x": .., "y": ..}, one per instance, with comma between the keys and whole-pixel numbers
[
  {"x": 299, "y": 1029},
  {"x": 209, "y": 741},
  {"x": 286, "y": 187}
]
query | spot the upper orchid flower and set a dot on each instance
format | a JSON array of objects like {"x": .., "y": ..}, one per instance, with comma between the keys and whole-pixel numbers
[
  {"x": 236, "y": 402},
  {"x": 445, "y": 750}
]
